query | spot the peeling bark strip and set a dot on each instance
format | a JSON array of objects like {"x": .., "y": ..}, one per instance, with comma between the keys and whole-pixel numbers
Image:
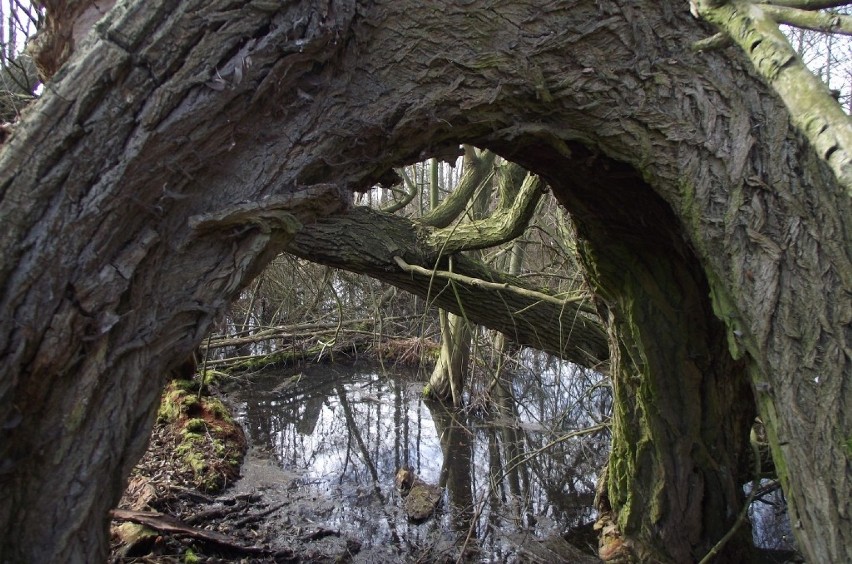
[{"x": 681, "y": 168}]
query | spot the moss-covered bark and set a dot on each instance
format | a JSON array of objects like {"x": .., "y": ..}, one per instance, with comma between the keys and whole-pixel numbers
[{"x": 683, "y": 406}]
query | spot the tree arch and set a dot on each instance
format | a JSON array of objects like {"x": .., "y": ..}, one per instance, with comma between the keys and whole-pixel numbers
[{"x": 186, "y": 142}]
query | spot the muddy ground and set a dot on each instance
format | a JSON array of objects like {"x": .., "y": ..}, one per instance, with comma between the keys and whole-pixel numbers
[
  {"x": 202, "y": 493},
  {"x": 196, "y": 497}
]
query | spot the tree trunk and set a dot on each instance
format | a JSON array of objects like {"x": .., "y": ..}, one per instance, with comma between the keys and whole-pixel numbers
[
  {"x": 185, "y": 142},
  {"x": 365, "y": 241},
  {"x": 451, "y": 369},
  {"x": 674, "y": 382}
]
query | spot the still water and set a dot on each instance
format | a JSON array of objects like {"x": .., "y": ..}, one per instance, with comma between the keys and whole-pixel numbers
[{"x": 509, "y": 475}]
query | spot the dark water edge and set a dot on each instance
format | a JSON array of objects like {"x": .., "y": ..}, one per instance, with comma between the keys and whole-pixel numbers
[{"x": 328, "y": 440}]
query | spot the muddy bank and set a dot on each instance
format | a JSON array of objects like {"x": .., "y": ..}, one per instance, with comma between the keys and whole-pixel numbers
[{"x": 326, "y": 442}]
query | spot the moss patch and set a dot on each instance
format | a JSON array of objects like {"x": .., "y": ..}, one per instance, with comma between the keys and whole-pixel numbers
[{"x": 209, "y": 445}]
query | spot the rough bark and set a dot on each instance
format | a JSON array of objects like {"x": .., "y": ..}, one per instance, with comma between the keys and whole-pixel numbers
[
  {"x": 673, "y": 382},
  {"x": 812, "y": 108},
  {"x": 365, "y": 241},
  {"x": 208, "y": 105}
]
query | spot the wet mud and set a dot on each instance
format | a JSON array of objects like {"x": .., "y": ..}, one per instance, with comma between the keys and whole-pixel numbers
[{"x": 327, "y": 442}]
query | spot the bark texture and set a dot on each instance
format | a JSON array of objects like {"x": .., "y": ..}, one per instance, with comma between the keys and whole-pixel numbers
[
  {"x": 365, "y": 241},
  {"x": 683, "y": 407},
  {"x": 812, "y": 107},
  {"x": 115, "y": 256}
]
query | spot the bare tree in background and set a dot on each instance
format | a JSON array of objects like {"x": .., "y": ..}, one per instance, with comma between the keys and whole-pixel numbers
[{"x": 18, "y": 77}]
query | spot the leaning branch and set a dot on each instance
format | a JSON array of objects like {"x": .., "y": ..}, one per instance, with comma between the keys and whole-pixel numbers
[
  {"x": 807, "y": 19},
  {"x": 365, "y": 241},
  {"x": 503, "y": 225},
  {"x": 813, "y": 110}
]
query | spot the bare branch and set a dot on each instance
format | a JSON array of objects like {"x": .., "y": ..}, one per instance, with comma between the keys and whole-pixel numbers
[
  {"x": 447, "y": 275},
  {"x": 810, "y": 4},
  {"x": 805, "y": 19}
]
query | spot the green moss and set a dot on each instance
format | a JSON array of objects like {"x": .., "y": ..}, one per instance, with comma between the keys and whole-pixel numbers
[
  {"x": 724, "y": 308},
  {"x": 186, "y": 446},
  {"x": 213, "y": 377},
  {"x": 218, "y": 448},
  {"x": 848, "y": 446},
  {"x": 256, "y": 363},
  {"x": 177, "y": 401},
  {"x": 210, "y": 444},
  {"x": 195, "y": 426},
  {"x": 184, "y": 385},
  {"x": 189, "y": 557},
  {"x": 195, "y": 460},
  {"x": 767, "y": 412},
  {"x": 218, "y": 409}
]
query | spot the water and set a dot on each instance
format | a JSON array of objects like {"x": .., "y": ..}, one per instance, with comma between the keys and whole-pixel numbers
[{"x": 510, "y": 477}]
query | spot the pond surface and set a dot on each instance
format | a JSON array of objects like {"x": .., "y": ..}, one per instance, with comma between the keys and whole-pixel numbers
[{"x": 331, "y": 438}]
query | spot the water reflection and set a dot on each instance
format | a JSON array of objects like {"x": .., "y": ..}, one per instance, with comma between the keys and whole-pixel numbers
[{"x": 347, "y": 429}]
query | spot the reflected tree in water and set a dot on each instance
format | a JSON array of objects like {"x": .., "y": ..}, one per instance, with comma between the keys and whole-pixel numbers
[{"x": 504, "y": 472}]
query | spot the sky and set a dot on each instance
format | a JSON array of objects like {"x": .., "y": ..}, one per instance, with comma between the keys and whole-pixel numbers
[{"x": 6, "y": 10}]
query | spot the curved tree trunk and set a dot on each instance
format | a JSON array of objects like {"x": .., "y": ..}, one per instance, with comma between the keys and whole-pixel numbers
[
  {"x": 674, "y": 383},
  {"x": 231, "y": 123}
]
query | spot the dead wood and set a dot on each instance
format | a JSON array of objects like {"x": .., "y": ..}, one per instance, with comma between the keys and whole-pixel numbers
[{"x": 168, "y": 524}]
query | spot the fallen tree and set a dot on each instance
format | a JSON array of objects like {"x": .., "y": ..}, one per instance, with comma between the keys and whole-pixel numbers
[{"x": 386, "y": 247}]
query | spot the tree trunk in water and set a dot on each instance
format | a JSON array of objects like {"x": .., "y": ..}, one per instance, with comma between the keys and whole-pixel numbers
[
  {"x": 450, "y": 372},
  {"x": 674, "y": 382},
  {"x": 453, "y": 365},
  {"x": 456, "y": 470},
  {"x": 185, "y": 143}
]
